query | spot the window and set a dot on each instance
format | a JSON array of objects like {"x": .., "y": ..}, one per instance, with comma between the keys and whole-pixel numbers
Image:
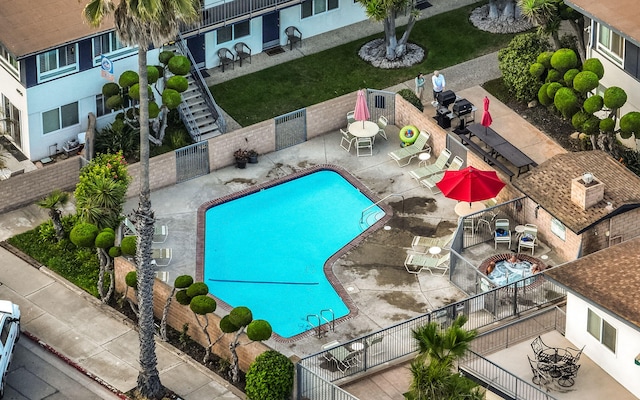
[
  {"x": 558, "y": 229},
  {"x": 231, "y": 32},
  {"x": 101, "y": 106},
  {"x": 314, "y": 7},
  {"x": 108, "y": 44},
  {"x": 610, "y": 43},
  {"x": 57, "y": 62},
  {"x": 600, "y": 329},
  {"x": 9, "y": 62},
  {"x": 10, "y": 119},
  {"x": 59, "y": 118}
]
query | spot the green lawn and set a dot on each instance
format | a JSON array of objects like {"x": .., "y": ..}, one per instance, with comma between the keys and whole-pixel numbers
[{"x": 447, "y": 38}]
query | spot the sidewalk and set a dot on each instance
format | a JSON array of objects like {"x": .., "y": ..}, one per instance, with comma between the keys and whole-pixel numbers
[{"x": 95, "y": 338}]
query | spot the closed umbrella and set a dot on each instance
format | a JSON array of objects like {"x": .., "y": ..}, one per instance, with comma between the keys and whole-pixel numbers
[
  {"x": 361, "y": 112},
  {"x": 470, "y": 184},
  {"x": 486, "y": 116}
]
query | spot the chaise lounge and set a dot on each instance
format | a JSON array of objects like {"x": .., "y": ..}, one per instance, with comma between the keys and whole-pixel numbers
[{"x": 408, "y": 153}]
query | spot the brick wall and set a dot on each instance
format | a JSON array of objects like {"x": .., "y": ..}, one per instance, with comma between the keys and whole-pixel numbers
[{"x": 179, "y": 315}]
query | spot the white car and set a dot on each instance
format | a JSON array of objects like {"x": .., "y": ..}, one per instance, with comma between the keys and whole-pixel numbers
[{"x": 9, "y": 335}]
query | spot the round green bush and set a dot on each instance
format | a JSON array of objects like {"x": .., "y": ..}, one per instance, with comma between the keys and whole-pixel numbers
[
  {"x": 515, "y": 59},
  {"x": 614, "y": 97},
  {"x": 566, "y": 100},
  {"x": 410, "y": 96},
  {"x": 585, "y": 81},
  {"x": 134, "y": 91},
  {"x": 594, "y": 65},
  {"x": 552, "y": 89},
  {"x": 182, "y": 298},
  {"x": 543, "y": 97},
  {"x": 107, "y": 229},
  {"x": 537, "y": 69},
  {"x": 110, "y": 89},
  {"x": 607, "y": 125},
  {"x": 178, "y": 83},
  {"x": 240, "y": 316},
  {"x": 128, "y": 245},
  {"x": 578, "y": 119},
  {"x": 183, "y": 282},
  {"x": 259, "y": 330},
  {"x": 544, "y": 58},
  {"x": 128, "y": 78},
  {"x": 171, "y": 98},
  {"x": 114, "y": 102},
  {"x": 152, "y": 74},
  {"x": 593, "y": 104},
  {"x": 179, "y": 65},
  {"x": 105, "y": 240},
  {"x": 131, "y": 279},
  {"x": 202, "y": 304},
  {"x": 226, "y": 326},
  {"x": 564, "y": 59},
  {"x": 553, "y": 76},
  {"x": 154, "y": 109},
  {"x": 84, "y": 234},
  {"x": 197, "y": 289},
  {"x": 591, "y": 125},
  {"x": 630, "y": 124},
  {"x": 270, "y": 377},
  {"x": 569, "y": 76},
  {"x": 165, "y": 56},
  {"x": 115, "y": 252}
]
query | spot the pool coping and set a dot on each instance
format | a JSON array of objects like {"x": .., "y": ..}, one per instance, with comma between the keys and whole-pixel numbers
[{"x": 328, "y": 265}]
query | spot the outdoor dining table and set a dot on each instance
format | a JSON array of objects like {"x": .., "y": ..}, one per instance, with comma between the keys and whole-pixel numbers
[
  {"x": 364, "y": 129},
  {"x": 463, "y": 208}
]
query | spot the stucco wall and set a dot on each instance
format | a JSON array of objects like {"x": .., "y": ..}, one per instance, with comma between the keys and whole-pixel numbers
[{"x": 180, "y": 315}]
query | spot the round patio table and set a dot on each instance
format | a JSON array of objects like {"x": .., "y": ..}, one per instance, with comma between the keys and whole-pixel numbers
[
  {"x": 364, "y": 129},
  {"x": 464, "y": 208}
]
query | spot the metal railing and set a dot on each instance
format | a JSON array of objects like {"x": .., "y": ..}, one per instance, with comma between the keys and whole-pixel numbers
[
  {"x": 291, "y": 128},
  {"x": 312, "y": 386}
]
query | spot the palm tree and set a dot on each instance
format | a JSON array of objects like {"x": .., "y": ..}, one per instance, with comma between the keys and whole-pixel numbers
[
  {"x": 447, "y": 345},
  {"x": 544, "y": 14},
  {"x": 54, "y": 200},
  {"x": 144, "y": 24}
]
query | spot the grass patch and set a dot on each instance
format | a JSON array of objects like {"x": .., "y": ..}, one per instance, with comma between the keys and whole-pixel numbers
[{"x": 448, "y": 39}]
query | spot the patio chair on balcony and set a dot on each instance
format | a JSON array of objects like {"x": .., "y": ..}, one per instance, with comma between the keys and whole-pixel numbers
[
  {"x": 539, "y": 378},
  {"x": 242, "y": 52},
  {"x": 502, "y": 234},
  {"x": 293, "y": 36},
  {"x": 529, "y": 238},
  {"x": 538, "y": 346},
  {"x": 226, "y": 58}
]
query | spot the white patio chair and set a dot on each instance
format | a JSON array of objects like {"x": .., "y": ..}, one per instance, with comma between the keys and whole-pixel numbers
[
  {"x": 364, "y": 146},
  {"x": 529, "y": 238},
  {"x": 382, "y": 123},
  {"x": 347, "y": 140},
  {"x": 502, "y": 234},
  {"x": 351, "y": 118}
]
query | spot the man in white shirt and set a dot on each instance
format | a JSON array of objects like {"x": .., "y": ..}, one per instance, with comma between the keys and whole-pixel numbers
[{"x": 438, "y": 86}]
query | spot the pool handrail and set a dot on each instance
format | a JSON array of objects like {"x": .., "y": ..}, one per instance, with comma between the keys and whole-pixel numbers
[{"x": 378, "y": 202}]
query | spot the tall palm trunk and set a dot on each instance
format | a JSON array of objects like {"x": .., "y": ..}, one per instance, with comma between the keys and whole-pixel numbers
[{"x": 149, "y": 384}]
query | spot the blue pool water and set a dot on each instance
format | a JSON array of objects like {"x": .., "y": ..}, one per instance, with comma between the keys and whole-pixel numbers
[{"x": 267, "y": 250}]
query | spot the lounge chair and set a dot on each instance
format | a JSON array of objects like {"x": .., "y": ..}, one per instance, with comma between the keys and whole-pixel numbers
[
  {"x": 438, "y": 166},
  {"x": 502, "y": 234},
  {"x": 427, "y": 242},
  {"x": 415, "y": 263},
  {"x": 160, "y": 234},
  {"x": 408, "y": 153},
  {"x": 162, "y": 257},
  {"x": 529, "y": 238},
  {"x": 431, "y": 181}
]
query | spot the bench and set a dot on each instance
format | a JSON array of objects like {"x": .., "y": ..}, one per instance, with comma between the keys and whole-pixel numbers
[{"x": 488, "y": 158}]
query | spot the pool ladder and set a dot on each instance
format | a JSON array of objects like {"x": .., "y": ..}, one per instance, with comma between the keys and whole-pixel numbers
[
  {"x": 375, "y": 215},
  {"x": 331, "y": 323}
]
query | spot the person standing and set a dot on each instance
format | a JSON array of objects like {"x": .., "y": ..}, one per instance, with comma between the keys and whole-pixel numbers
[
  {"x": 420, "y": 81},
  {"x": 438, "y": 86}
]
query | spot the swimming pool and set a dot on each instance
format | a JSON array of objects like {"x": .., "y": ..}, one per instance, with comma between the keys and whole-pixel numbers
[{"x": 267, "y": 249}]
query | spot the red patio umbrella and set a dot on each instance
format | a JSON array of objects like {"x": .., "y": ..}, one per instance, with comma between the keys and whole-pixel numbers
[
  {"x": 361, "y": 112},
  {"x": 470, "y": 184},
  {"x": 486, "y": 116}
]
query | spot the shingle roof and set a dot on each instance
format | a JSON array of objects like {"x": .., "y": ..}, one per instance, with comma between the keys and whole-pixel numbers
[
  {"x": 609, "y": 278},
  {"x": 29, "y": 26},
  {"x": 622, "y": 15},
  {"x": 549, "y": 185}
]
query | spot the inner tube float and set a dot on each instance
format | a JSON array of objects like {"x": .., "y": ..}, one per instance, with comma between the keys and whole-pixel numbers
[{"x": 408, "y": 135}]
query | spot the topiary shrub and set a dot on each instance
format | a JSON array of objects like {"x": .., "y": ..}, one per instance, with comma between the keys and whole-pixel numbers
[
  {"x": 593, "y": 104},
  {"x": 630, "y": 125},
  {"x": 544, "y": 58},
  {"x": 240, "y": 316},
  {"x": 182, "y": 298},
  {"x": 566, "y": 101},
  {"x": 183, "y": 282},
  {"x": 552, "y": 88},
  {"x": 591, "y": 125},
  {"x": 178, "y": 83},
  {"x": 564, "y": 59},
  {"x": 128, "y": 245},
  {"x": 114, "y": 102},
  {"x": 227, "y": 326},
  {"x": 152, "y": 74},
  {"x": 537, "y": 69},
  {"x": 607, "y": 125},
  {"x": 614, "y": 97},
  {"x": 270, "y": 377},
  {"x": 84, "y": 234},
  {"x": 543, "y": 97},
  {"x": 514, "y": 61},
  {"x": 259, "y": 330},
  {"x": 131, "y": 279},
  {"x": 134, "y": 91},
  {"x": 171, "y": 98},
  {"x": 585, "y": 81},
  {"x": 128, "y": 78},
  {"x": 165, "y": 56},
  {"x": 554, "y": 76},
  {"x": 594, "y": 65},
  {"x": 154, "y": 109},
  {"x": 578, "y": 119},
  {"x": 110, "y": 89},
  {"x": 115, "y": 252},
  {"x": 179, "y": 65},
  {"x": 202, "y": 304},
  {"x": 105, "y": 240},
  {"x": 569, "y": 76},
  {"x": 411, "y": 97},
  {"x": 197, "y": 289}
]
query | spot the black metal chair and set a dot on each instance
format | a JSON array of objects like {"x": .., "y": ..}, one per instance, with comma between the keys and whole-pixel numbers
[
  {"x": 567, "y": 374},
  {"x": 539, "y": 378},
  {"x": 226, "y": 57},
  {"x": 538, "y": 347},
  {"x": 293, "y": 36},
  {"x": 243, "y": 52},
  {"x": 571, "y": 355}
]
